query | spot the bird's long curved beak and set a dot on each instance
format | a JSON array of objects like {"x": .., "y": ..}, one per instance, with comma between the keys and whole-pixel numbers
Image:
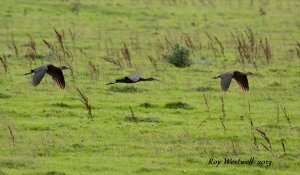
[{"x": 110, "y": 83}]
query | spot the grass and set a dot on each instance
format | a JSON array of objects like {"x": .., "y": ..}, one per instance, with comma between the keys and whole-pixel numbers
[{"x": 45, "y": 130}]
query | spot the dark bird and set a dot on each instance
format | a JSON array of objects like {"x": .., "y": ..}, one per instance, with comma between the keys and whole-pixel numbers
[
  {"x": 55, "y": 72},
  {"x": 240, "y": 78},
  {"x": 132, "y": 78}
]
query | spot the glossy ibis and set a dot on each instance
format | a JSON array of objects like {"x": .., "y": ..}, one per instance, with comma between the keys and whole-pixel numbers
[
  {"x": 132, "y": 78},
  {"x": 240, "y": 77},
  {"x": 55, "y": 72}
]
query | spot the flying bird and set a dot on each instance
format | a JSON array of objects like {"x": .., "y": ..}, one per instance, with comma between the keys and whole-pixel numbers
[
  {"x": 55, "y": 72},
  {"x": 132, "y": 78},
  {"x": 240, "y": 78}
]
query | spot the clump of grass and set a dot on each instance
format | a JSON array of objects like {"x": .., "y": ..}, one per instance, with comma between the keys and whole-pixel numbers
[
  {"x": 147, "y": 105},
  {"x": 275, "y": 84},
  {"x": 2, "y": 173},
  {"x": 142, "y": 120},
  {"x": 13, "y": 163},
  {"x": 75, "y": 6},
  {"x": 179, "y": 56},
  {"x": 62, "y": 105},
  {"x": 54, "y": 173},
  {"x": 124, "y": 89},
  {"x": 178, "y": 105},
  {"x": 4, "y": 95},
  {"x": 205, "y": 89}
]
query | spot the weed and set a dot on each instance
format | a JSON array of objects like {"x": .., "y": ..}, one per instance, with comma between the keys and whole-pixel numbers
[
  {"x": 31, "y": 53},
  {"x": 208, "y": 110},
  {"x": 216, "y": 45},
  {"x": 283, "y": 145},
  {"x": 252, "y": 48},
  {"x": 298, "y": 49},
  {"x": 12, "y": 136},
  {"x": 93, "y": 70},
  {"x": 286, "y": 116},
  {"x": 266, "y": 138},
  {"x": 3, "y": 60},
  {"x": 179, "y": 56},
  {"x": 152, "y": 61},
  {"x": 188, "y": 42},
  {"x": 111, "y": 56},
  {"x": 126, "y": 55},
  {"x": 222, "y": 118},
  {"x": 11, "y": 44},
  {"x": 85, "y": 101}
]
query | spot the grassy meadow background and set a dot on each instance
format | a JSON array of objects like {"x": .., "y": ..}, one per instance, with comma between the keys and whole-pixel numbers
[{"x": 149, "y": 127}]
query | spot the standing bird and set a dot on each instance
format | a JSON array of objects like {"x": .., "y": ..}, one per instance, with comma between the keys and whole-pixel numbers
[
  {"x": 240, "y": 78},
  {"x": 55, "y": 72},
  {"x": 132, "y": 78}
]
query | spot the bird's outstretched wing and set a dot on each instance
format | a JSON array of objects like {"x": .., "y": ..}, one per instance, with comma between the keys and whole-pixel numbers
[
  {"x": 226, "y": 80},
  {"x": 134, "y": 77},
  {"x": 39, "y": 73},
  {"x": 242, "y": 80},
  {"x": 57, "y": 75}
]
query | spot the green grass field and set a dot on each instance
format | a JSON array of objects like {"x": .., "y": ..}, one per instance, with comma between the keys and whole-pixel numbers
[{"x": 47, "y": 131}]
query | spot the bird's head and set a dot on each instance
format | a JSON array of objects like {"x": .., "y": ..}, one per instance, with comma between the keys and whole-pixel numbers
[
  {"x": 64, "y": 67},
  {"x": 151, "y": 79}
]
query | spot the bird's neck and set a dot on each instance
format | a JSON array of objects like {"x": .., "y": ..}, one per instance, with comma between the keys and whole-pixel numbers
[{"x": 146, "y": 79}]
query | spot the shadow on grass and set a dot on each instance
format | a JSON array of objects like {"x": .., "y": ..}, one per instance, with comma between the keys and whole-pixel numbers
[{"x": 125, "y": 89}]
